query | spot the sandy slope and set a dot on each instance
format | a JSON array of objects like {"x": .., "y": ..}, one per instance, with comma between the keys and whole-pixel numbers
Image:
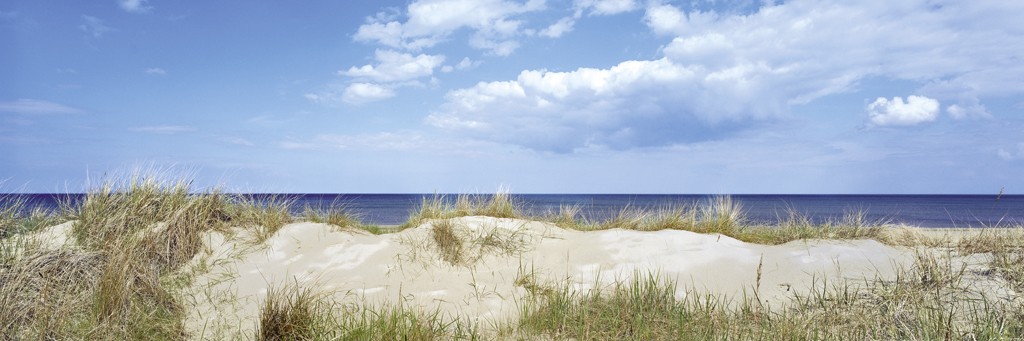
[{"x": 406, "y": 267}]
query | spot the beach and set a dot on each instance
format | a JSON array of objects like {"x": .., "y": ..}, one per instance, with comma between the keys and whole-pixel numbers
[{"x": 476, "y": 268}]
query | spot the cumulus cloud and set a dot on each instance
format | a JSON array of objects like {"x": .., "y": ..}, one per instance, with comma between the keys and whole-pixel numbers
[
  {"x": 635, "y": 103},
  {"x": 26, "y": 106},
  {"x": 394, "y": 66},
  {"x": 721, "y": 72},
  {"x": 896, "y": 112},
  {"x": 94, "y": 26},
  {"x": 430, "y": 22},
  {"x": 359, "y": 93},
  {"x": 134, "y": 6}
]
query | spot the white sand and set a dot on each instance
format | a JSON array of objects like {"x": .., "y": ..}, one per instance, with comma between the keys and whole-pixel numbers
[{"x": 406, "y": 267}]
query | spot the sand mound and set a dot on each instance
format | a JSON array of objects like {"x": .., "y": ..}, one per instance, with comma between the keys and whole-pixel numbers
[{"x": 487, "y": 263}]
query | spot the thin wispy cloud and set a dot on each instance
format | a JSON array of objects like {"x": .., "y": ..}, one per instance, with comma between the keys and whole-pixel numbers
[
  {"x": 155, "y": 71},
  {"x": 1012, "y": 154},
  {"x": 163, "y": 129},
  {"x": 604, "y": 7},
  {"x": 36, "y": 107},
  {"x": 235, "y": 140},
  {"x": 134, "y": 6},
  {"x": 94, "y": 26}
]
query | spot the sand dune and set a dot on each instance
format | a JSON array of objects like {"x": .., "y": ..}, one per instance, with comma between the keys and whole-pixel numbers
[{"x": 499, "y": 259}]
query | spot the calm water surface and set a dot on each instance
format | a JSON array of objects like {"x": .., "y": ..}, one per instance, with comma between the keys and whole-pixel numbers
[{"x": 918, "y": 210}]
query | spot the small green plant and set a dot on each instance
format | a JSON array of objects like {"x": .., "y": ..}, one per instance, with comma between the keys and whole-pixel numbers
[
  {"x": 398, "y": 322},
  {"x": 293, "y": 313}
]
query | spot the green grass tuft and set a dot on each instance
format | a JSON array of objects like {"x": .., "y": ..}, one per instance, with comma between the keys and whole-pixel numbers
[
  {"x": 501, "y": 204},
  {"x": 292, "y": 313},
  {"x": 263, "y": 214},
  {"x": 448, "y": 243}
]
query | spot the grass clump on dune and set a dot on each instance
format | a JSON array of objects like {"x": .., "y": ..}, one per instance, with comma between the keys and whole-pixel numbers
[
  {"x": 297, "y": 313},
  {"x": 338, "y": 216},
  {"x": 130, "y": 235},
  {"x": 449, "y": 245},
  {"x": 501, "y": 204},
  {"x": 263, "y": 214},
  {"x": 292, "y": 313}
]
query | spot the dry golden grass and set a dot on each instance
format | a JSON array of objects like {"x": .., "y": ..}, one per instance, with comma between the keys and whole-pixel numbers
[{"x": 132, "y": 236}]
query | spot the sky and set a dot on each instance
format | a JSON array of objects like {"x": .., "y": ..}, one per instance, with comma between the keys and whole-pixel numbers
[{"x": 539, "y": 96}]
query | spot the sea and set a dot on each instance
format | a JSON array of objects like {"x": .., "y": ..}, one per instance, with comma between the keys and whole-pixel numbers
[{"x": 934, "y": 211}]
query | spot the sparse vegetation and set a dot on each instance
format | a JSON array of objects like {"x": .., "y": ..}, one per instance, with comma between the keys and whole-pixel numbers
[
  {"x": 293, "y": 313},
  {"x": 131, "y": 239},
  {"x": 337, "y": 215},
  {"x": 263, "y": 214},
  {"x": 449, "y": 245},
  {"x": 917, "y": 305},
  {"x": 501, "y": 204}
]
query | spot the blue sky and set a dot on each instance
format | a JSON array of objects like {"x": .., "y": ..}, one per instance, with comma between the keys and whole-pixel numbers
[{"x": 543, "y": 96}]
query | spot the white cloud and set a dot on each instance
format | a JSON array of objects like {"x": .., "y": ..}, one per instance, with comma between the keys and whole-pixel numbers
[
  {"x": 164, "y": 130},
  {"x": 94, "y": 26},
  {"x": 604, "y": 7},
  {"x": 394, "y": 66},
  {"x": 727, "y": 71},
  {"x": 1012, "y": 154},
  {"x": 359, "y": 93},
  {"x": 401, "y": 141},
  {"x": 619, "y": 106},
  {"x": 155, "y": 71},
  {"x": 667, "y": 19},
  {"x": 134, "y": 6},
  {"x": 430, "y": 22},
  {"x": 559, "y": 28},
  {"x": 968, "y": 109},
  {"x": 492, "y": 46},
  {"x": 377, "y": 141},
  {"x": 464, "y": 64},
  {"x": 895, "y": 112},
  {"x": 36, "y": 107},
  {"x": 238, "y": 141}
]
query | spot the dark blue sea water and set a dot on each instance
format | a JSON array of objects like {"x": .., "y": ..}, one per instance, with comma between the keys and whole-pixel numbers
[{"x": 917, "y": 210}]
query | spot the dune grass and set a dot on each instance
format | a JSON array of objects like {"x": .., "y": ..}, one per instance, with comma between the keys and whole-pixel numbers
[
  {"x": 292, "y": 313},
  {"x": 295, "y": 313},
  {"x": 501, "y": 204},
  {"x": 927, "y": 301},
  {"x": 721, "y": 215},
  {"x": 132, "y": 237},
  {"x": 337, "y": 215}
]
